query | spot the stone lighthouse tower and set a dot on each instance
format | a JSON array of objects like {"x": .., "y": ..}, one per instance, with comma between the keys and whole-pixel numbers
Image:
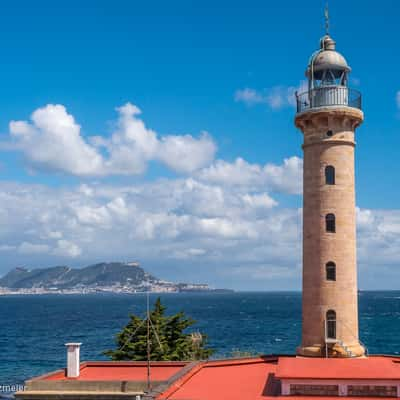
[{"x": 328, "y": 114}]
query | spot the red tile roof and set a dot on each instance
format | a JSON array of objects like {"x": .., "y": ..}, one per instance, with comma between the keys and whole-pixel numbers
[
  {"x": 373, "y": 368},
  {"x": 121, "y": 371},
  {"x": 237, "y": 379},
  {"x": 230, "y": 379},
  {"x": 256, "y": 378}
]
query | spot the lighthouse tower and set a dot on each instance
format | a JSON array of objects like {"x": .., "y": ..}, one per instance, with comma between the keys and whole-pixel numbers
[{"x": 328, "y": 114}]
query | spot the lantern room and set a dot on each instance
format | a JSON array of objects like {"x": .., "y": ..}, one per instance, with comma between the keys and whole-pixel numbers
[{"x": 327, "y": 73}]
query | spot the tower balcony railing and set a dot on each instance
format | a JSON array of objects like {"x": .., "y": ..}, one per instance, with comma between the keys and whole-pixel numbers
[{"x": 328, "y": 96}]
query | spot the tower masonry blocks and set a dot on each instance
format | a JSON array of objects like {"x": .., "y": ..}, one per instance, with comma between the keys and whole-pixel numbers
[{"x": 329, "y": 141}]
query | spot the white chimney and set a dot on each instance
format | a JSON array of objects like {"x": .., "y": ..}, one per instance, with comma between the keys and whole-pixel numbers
[{"x": 73, "y": 359}]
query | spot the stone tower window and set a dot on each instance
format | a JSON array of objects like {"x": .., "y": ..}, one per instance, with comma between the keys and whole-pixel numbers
[
  {"x": 330, "y": 222},
  {"x": 330, "y": 175},
  {"x": 330, "y": 271},
  {"x": 331, "y": 324}
]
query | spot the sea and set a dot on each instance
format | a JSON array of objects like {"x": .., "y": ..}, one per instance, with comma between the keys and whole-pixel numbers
[{"x": 34, "y": 328}]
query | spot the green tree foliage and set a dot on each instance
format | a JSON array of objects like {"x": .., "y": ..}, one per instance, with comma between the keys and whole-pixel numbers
[{"x": 169, "y": 340}]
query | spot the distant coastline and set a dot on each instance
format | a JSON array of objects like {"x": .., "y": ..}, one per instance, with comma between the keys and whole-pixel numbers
[
  {"x": 112, "y": 277},
  {"x": 101, "y": 290}
]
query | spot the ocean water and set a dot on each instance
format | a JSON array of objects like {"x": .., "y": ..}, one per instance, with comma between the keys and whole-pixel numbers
[{"x": 34, "y": 329}]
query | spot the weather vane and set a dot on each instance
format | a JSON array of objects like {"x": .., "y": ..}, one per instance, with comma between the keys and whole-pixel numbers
[{"x": 327, "y": 18}]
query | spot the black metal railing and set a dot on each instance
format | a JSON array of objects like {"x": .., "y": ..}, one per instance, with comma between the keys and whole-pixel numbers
[{"x": 327, "y": 96}]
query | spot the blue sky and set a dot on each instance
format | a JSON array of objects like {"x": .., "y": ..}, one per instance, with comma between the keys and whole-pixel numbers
[{"x": 183, "y": 64}]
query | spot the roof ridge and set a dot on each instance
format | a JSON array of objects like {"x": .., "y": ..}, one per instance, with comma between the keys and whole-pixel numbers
[{"x": 180, "y": 378}]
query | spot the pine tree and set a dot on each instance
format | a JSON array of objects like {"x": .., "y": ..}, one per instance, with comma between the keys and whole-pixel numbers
[{"x": 169, "y": 340}]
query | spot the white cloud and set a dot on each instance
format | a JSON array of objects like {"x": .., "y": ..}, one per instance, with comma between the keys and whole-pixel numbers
[
  {"x": 275, "y": 97},
  {"x": 365, "y": 218},
  {"x": 6, "y": 247},
  {"x": 86, "y": 190},
  {"x": 132, "y": 145},
  {"x": 55, "y": 235},
  {"x": 249, "y": 96},
  {"x": 286, "y": 178},
  {"x": 196, "y": 252},
  {"x": 93, "y": 216},
  {"x": 186, "y": 254},
  {"x": 262, "y": 200},
  {"x": 67, "y": 249},
  {"x": 266, "y": 272},
  {"x": 378, "y": 238},
  {"x": 32, "y": 248},
  {"x": 225, "y": 228},
  {"x": 389, "y": 224},
  {"x": 186, "y": 154},
  {"x": 240, "y": 172},
  {"x": 62, "y": 248},
  {"x": 224, "y": 214},
  {"x": 52, "y": 141},
  {"x": 175, "y": 218},
  {"x": 244, "y": 234}
]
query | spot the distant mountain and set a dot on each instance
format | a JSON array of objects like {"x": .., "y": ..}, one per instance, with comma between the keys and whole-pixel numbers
[
  {"x": 62, "y": 277},
  {"x": 102, "y": 277}
]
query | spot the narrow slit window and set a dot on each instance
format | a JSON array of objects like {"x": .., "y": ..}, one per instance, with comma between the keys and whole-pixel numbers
[
  {"x": 330, "y": 271},
  {"x": 331, "y": 324},
  {"x": 330, "y": 222},
  {"x": 330, "y": 175}
]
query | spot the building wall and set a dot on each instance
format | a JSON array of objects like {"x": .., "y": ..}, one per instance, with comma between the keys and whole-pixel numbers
[{"x": 341, "y": 387}]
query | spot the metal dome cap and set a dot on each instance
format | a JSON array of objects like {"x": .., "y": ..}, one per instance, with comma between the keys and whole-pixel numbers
[{"x": 327, "y": 58}]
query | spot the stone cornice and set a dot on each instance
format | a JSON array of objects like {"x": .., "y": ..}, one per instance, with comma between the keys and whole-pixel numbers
[
  {"x": 329, "y": 142},
  {"x": 347, "y": 116}
]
